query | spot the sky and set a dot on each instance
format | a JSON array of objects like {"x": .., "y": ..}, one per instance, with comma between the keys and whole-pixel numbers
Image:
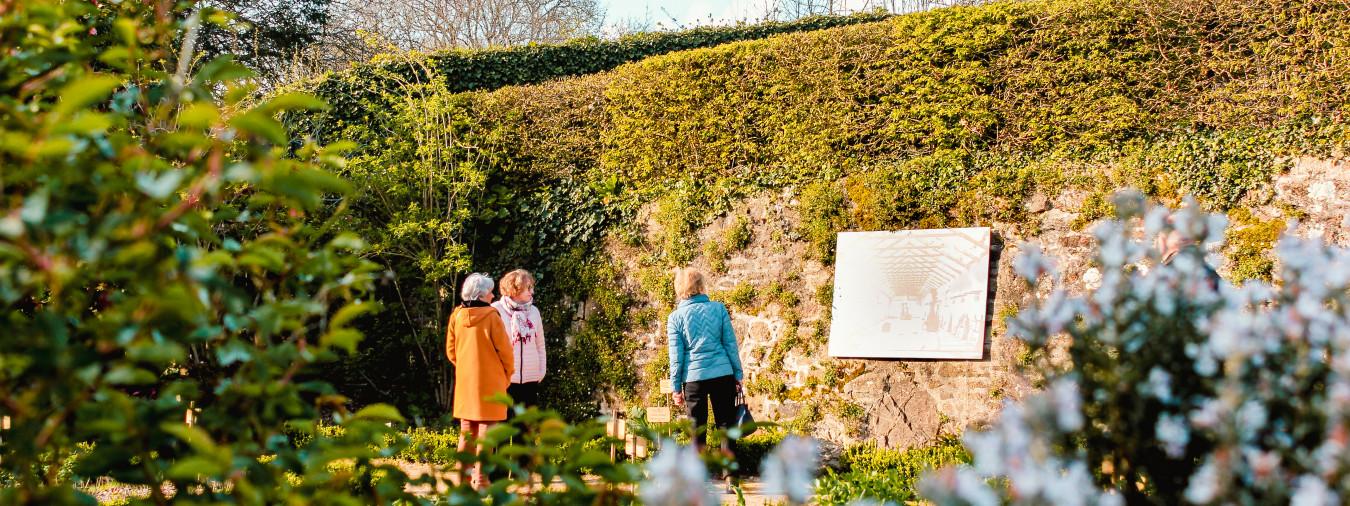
[{"x": 683, "y": 13}]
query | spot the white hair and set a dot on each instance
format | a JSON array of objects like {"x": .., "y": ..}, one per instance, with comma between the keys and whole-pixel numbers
[{"x": 475, "y": 287}]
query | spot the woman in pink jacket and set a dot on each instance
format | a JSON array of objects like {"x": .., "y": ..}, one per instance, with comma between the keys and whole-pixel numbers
[{"x": 525, "y": 329}]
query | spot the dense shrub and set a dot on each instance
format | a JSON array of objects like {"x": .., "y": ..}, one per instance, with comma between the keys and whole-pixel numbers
[
  {"x": 751, "y": 450},
  {"x": 1177, "y": 386},
  {"x": 157, "y": 256},
  {"x": 952, "y": 117},
  {"x": 352, "y": 91},
  {"x": 878, "y": 474}
]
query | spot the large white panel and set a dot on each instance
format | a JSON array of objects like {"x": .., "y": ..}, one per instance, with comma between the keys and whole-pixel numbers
[{"x": 910, "y": 294}]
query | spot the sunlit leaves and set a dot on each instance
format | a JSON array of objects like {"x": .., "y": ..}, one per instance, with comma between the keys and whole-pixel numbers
[{"x": 167, "y": 289}]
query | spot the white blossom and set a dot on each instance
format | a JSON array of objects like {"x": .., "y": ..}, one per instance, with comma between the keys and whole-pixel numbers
[
  {"x": 1239, "y": 361},
  {"x": 1160, "y": 384},
  {"x": 1209, "y": 415},
  {"x": 1171, "y": 430},
  {"x": 1032, "y": 263},
  {"x": 790, "y": 469},
  {"x": 1204, "y": 484},
  {"x": 1312, "y": 491},
  {"x": 1251, "y": 417},
  {"x": 1068, "y": 406},
  {"x": 676, "y": 476}
]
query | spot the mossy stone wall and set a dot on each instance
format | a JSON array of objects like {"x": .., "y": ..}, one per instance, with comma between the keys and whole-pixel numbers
[{"x": 1021, "y": 116}]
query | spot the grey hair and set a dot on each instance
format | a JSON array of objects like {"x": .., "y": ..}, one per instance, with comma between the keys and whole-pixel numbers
[{"x": 475, "y": 287}]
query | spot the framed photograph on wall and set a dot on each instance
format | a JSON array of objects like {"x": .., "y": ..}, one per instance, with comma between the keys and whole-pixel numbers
[{"x": 911, "y": 294}]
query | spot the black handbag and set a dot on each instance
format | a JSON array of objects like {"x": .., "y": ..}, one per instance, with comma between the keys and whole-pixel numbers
[{"x": 743, "y": 416}]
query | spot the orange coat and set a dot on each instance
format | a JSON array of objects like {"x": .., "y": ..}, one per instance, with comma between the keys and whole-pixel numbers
[{"x": 476, "y": 343}]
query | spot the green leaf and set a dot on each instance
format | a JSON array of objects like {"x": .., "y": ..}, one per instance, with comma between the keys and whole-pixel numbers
[
  {"x": 379, "y": 412},
  {"x": 199, "y": 115},
  {"x": 123, "y": 374},
  {"x": 85, "y": 124},
  {"x": 84, "y": 92},
  {"x": 235, "y": 350},
  {"x": 346, "y": 339},
  {"x": 258, "y": 124},
  {"x": 161, "y": 354},
  {"x": 295, "y": 101},
  {"x": 161, "y": 185},
  {"x": 263, "y": 257},
  {"x": 190, "y": 468},
  {"x": 195, "y": 437},
  {"x": 350, "y": 312},
  {"x": 348, "y": 241}
]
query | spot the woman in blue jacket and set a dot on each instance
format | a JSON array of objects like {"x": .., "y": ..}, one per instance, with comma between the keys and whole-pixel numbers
[{"x": 705, "y": 361}]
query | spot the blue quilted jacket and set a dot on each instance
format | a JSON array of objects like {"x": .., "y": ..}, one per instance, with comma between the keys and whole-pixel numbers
[{"x": 702, "y": 344}]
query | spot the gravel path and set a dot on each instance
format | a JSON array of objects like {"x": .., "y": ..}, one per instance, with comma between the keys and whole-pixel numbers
[{"x": 106, "y": 491}]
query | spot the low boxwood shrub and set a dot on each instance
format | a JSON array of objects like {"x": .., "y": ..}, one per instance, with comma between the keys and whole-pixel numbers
[
  {"x": 879, "y": 474},
  {"x": 751, "y": 450}
]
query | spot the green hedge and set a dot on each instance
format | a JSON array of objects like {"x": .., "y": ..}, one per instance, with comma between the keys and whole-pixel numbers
[
  {"x": 1061, "y": 77},
  {"x": 951, "y": 117},
  {"x": 868, "y": 472},
  {"x": 489, "y": 69}
]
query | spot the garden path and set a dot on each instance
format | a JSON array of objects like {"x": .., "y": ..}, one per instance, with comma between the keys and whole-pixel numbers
[{"x": 752, "y": 489}]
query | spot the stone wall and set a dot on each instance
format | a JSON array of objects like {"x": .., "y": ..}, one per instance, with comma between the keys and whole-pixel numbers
[{"x": 911, "y": 402}]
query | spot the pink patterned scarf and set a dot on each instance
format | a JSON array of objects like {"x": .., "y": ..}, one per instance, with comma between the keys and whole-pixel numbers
[{"x": 519, "y": 326}]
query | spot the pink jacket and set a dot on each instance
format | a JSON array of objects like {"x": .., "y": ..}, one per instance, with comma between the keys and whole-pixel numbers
[{"x": 531, "y": 358}]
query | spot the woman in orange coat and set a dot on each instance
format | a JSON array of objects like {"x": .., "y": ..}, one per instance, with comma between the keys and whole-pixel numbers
[{"x": 476, "y": 343}]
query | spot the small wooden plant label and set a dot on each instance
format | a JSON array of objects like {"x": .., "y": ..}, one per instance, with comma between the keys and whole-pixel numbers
[{"x": 658, "y": 414}]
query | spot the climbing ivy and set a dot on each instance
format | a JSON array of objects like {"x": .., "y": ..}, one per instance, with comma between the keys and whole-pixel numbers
[{"x": 952, "y": 117}]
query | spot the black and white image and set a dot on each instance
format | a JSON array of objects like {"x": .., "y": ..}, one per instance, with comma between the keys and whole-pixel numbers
[{"x": 911, "y": 294}]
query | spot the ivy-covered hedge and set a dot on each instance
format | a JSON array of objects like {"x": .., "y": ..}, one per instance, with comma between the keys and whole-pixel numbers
[
  {"x": 472, "y": 70},
  {"x": 951, "y": 117}
]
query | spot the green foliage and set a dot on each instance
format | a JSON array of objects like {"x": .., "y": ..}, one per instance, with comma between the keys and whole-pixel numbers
[
  {"x": 599, "y": 360},
  {"x": 951, "y": 117},
  {"x": 743, "y": 297},
  {"x": 824, "y": 212},
  {"x": 806, "y": 419},
  {"x": 679, "y": 220},
  {"x": 789, "y": 341},
  {"x": 868, "y": 472},
  {"x": 1095, "y": 206},
  {"x": 1218, "y": 167},
  {"x": 658, "y": 284},
  {"x": 751, "y": 450},
  {"x": 738, "y": 235},
  {"x": 768, "y": 385},
  {"x": 853, "y": 416},
  {"x": 825, "y": 296},
  {"x": 427, "y": 445},
  {"x": 946, "y": 189},
  {"x": 782, "y": 293},
  {"x": 353, "y": 93},
  {"x": 716, "y": 255},
  {"x": 735, "y": 238},
  {"x": 655, "y": 374},
  {"x": 1250, "y": 243},
  {"x": 159, "y": 254},
  {"x": 419, "y": 198},
  {"x": 265, "y": 36}
]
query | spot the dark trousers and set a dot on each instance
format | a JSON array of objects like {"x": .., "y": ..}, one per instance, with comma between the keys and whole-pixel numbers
[
  {"x": 722, "y": 392},
  {"x": 524, "y": 393}
]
